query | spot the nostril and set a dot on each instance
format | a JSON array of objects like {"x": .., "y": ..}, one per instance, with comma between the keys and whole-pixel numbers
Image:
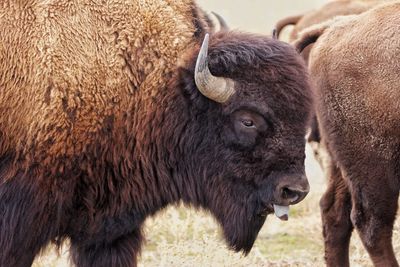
[{"x": 291, "y": 191}]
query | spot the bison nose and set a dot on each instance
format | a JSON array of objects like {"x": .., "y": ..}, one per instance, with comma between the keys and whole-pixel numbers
[{"x": 290, "y": 193}]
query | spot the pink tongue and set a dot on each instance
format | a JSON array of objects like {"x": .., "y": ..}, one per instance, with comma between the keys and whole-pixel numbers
[{"x": 282, "y": 212}]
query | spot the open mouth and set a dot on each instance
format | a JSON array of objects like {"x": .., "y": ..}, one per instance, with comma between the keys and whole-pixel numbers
[{"x": 282, "y": 212}]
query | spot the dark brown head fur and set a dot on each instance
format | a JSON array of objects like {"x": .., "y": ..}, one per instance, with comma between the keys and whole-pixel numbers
[{"x": 265, "y": 82}]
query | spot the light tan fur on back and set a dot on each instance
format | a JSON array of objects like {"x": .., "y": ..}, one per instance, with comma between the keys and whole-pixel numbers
[{"x": 60, "y": 58}]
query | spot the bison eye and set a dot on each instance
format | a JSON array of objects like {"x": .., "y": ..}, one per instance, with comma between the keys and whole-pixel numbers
[
  {"x": 248, "y": 123},
  {"x": 248, "y": 126}
]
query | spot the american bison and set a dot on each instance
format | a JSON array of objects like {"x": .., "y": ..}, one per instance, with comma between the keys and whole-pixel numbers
[
  {"x": 110, "y": 112},
  {"x": 355, "y": 65}
]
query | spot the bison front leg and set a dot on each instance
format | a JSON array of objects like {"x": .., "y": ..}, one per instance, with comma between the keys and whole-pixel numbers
[
  {"x": 26, "y": 221},
  {"x": 375, "y": 202},
  {"x": 116, "y": 244},
  {"x": 335, "y": 207}
]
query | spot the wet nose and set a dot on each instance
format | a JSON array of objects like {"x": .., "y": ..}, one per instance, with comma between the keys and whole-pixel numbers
[{"x": 292, "y": 192}]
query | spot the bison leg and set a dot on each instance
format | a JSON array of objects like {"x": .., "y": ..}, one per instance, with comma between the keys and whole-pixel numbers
[
  {"x": 107, "y": 249},
  {"x": 25, "y": 226},
  {"x": 375, "y": 202},
  {"x": 335, "y": 207}
]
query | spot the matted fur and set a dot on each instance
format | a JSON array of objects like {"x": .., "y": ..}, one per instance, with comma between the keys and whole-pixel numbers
[{"x": 102, "y": 125}]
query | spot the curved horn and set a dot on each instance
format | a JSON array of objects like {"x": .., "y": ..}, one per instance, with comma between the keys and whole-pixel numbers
[
  {"x": 215, "y": 88},
  {"x": 275, "y": 34},
  {"x": 223, "y": 26}
]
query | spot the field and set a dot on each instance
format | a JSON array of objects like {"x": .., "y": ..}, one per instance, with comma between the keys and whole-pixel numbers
[{"x": 180, "y": 236}]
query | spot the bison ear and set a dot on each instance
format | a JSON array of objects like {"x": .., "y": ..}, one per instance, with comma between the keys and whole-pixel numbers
[{"x": 215, "y": 88}]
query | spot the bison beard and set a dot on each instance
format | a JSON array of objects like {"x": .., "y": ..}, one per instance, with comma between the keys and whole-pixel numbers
[
  {"x": 241, "y": 226},
  {"x": 102, "y": 154}
]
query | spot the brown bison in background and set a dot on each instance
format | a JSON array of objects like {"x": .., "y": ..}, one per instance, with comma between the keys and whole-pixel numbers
[
  {"x": 110, "y": 113},
  {"x": 302, "y": 22},
  {"x": 355, "y": 65}
]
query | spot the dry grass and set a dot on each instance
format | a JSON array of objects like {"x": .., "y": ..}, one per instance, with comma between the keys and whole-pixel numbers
[{"x": 185, "y": 237}]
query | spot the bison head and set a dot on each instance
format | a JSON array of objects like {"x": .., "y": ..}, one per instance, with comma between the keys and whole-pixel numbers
[{"x": 249, "y": 102}]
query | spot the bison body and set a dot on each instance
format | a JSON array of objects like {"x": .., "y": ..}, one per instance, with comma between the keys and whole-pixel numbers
[
  {"x": 356, "y": 71},
  {"x": 105, "y": 119},
  {"x": 300, "y": 23}
]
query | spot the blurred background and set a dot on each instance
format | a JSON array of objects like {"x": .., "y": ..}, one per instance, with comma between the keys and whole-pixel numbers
[
  {"x": 181, "y": 236},
  {"x": 258, "y": 15}
]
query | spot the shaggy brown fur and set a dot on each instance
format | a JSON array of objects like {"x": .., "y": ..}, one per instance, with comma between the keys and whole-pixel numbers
[
  {"x": 356, "y": 69},
  {"x": 302, "y": 22},
  {"x": 102, "y": 125}
]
